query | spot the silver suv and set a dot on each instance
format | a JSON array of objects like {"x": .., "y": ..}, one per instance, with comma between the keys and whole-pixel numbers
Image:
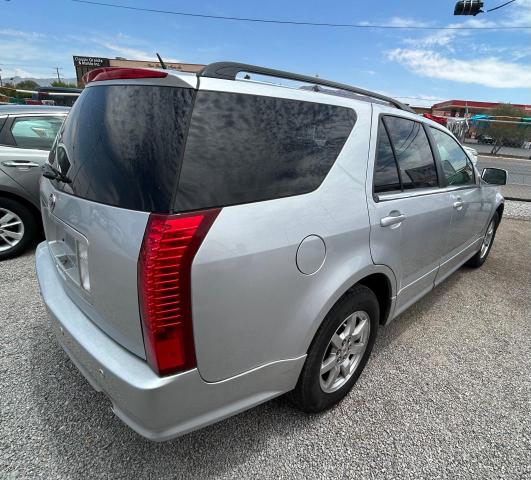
[{"x": 213, "y": 242}]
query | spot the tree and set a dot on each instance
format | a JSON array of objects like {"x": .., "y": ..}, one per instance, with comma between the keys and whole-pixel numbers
[
  {"x": 57, "y": 83},
  {"x": 27, "y": 85},
  {"x": 506, "y": 134}
]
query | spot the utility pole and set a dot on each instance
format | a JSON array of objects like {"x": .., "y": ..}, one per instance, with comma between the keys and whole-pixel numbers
[
  {"x": 1, "y": 84},
  {"x": 58, "y": 77}
]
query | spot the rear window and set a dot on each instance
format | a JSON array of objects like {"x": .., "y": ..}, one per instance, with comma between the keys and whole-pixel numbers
[
  {"x": 386, "y": 177},
  {"x": 247, "y": 148},
  {"x": 122, "y": 145}
]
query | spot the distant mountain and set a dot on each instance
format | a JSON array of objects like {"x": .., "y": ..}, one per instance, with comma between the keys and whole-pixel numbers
[{"x": 43, "y": 82}]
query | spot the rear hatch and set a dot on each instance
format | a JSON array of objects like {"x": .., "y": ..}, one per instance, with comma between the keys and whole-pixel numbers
[{"x": 119, "y": 154}]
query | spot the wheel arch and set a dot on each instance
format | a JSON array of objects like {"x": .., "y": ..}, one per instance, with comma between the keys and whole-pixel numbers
[
  {"x": 380, "y": 284},
  {"x": 379, "y": 278},
  {"x": 499, "y": 211}
]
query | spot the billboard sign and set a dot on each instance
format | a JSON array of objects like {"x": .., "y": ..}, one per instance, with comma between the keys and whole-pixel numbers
[{"x": 91, "y": 62}]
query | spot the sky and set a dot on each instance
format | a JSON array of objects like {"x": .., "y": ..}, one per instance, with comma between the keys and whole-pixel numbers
[{"x": 428, "y": 65}]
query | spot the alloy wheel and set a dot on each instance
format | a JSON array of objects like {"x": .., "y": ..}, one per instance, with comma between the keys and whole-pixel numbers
[
  {"x": 344, "y": 351},
  {"x": 11, "y": 229},
  {"x": 487, "y": 240}
]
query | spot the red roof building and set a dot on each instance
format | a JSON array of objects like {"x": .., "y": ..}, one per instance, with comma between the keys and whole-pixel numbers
[{"x": 455, "y": 108}]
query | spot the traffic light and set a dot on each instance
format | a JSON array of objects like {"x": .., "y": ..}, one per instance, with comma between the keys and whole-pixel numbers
[{"x": 468, "y": 7}]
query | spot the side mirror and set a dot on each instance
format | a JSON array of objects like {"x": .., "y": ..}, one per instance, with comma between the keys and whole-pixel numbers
[{"x": 494, "y": 176}]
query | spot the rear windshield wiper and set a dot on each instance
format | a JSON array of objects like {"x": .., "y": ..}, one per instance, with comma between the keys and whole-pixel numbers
[{"x": 53, "y": 174}]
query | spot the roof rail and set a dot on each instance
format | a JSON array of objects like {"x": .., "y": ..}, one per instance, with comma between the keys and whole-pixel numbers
[{"x": 229, "y": 71}]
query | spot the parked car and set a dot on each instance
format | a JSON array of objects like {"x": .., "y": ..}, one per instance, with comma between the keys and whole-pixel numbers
[
  {"x": 212, "y": 243},
  {"x": 485, "y": 139},
  {"x": 472, "y": 154},
  {"x": 26, "y": 136}
]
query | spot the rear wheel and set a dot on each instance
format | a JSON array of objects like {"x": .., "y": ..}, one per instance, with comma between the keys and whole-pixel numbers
[
  {"x": 18, "y": 228},
  {"x": 339, "y": 351},
  {"x": 479, "y": 258}
]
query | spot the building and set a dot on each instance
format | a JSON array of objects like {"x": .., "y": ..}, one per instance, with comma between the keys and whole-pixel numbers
[
  {"x": 86, "y": 64},
  {"x": 461, "y": 108},
  {"x": 421, "y": 110}
]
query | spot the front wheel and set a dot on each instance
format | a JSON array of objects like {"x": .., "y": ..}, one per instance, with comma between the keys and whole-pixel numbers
[
  {"x": 339, "y": 351},
  {"x": 479, "y": 258}
]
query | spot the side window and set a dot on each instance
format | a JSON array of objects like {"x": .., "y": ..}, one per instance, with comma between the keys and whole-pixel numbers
[
  {"x": 413, "y": 152},
  {"x": 386, "y": 177},
  {"x": 35, "y": 132},
  {"x": 457, "y": 167},
  {"x": 248, "y": 148}
]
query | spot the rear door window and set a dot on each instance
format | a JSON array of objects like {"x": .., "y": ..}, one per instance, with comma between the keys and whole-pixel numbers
[
  {"x": 35, "y": 132},
  {"x": 413, "y": 152},
  {"x": 457, "y": 167},
  {"x": 247, "y": 148},
  {"x": 386, "y": 178}
]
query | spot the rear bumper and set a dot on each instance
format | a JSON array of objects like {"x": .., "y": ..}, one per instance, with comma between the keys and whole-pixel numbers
[{"x": 157, "y": 408}]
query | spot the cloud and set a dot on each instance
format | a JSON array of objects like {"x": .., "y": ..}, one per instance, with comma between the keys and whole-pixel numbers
[
  {"x": 490, "y": 72},
  {"x": 398, "y": 22},
  {"x": 127, "y": 52},
  {"x": 518, "y": 15},
  {"x": 8, "y": 32},
  {"x": 39, "y": 54},
  {"x": 120, "y": 45},
  {"x": 449, "y": 38}
]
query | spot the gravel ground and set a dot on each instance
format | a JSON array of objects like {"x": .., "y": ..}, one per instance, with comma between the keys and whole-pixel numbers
[
  {"x": 446, "y": 394},
  {"x": 520, "y": 210}
]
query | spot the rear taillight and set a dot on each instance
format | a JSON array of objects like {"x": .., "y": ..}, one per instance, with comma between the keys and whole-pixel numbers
[
  {"x": 116, "y": 73},
  {"x": 164, "y": 282}
]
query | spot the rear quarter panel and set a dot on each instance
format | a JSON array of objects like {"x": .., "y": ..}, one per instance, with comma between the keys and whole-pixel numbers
[{"x": 251, "y": 304}]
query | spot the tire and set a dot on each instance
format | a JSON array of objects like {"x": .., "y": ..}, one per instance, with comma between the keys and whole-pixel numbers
[
  {"x": 479, "y": 258},
  {"x": 18, "y": 228},
  {"x": 315, "y": 392}
]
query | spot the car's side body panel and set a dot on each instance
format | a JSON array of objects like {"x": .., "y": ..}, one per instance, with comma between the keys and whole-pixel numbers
[
  {"x": 14, "y": 189},
  {"x": 251, "y": 304},
  {"x": 24, "y": 166},
  {"x": 435, "y": 238},
  {"x": 466, "y": 227}
]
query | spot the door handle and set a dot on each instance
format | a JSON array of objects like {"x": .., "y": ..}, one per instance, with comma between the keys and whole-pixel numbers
[
  {"x": 458, "y": 204},
  {"x": 20, "y": 164},
  {"x": 394, "y": 219}
]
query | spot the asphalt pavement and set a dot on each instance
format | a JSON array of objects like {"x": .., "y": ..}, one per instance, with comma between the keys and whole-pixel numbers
[
  {"x": 519, "y": 175},
  {"x": 446, "y": 394},
  {"x": 511, "y": 151}
]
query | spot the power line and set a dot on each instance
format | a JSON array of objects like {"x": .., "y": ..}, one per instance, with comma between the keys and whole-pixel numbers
[
  {"x": 500, "y": 6},
  {"x": 292, "y": 22}
]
